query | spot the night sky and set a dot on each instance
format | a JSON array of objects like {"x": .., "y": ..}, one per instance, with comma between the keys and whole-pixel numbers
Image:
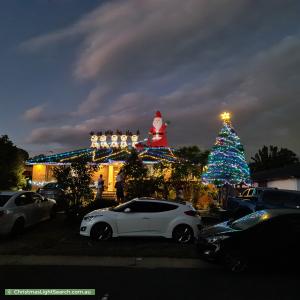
[{"x": 71, "y": 66}]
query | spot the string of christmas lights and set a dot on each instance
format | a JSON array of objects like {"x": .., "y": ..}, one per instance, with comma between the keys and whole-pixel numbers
[
  {"x": 105, "y": 155},
  {"x": 226, "y": 162}
]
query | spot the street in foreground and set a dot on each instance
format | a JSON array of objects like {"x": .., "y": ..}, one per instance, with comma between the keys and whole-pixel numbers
[{"x": 137, "y": 283}]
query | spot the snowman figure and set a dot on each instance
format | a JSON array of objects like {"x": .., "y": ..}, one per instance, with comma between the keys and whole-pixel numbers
[
  {"x": 103, "y": 142},
  {"x": 114, "y": 141},
  {"x": 94, "y": 141},
  {"x": 123, "y": 143},
  {"x": 134, "y": 140}
]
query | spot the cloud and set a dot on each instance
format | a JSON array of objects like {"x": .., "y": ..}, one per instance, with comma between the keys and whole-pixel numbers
[
  {"x": 78, "y": 135},
  {"x": 42, "y": 114},
  {"x": 125, "y": 42},
  {"x": 190, "y": 59},
  {"x": 34, "y": 114}
]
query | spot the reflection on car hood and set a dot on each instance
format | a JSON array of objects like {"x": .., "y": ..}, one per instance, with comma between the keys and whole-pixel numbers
[
  {"x": 217, "y": 230},
  {"x": 100, "y": 211}
]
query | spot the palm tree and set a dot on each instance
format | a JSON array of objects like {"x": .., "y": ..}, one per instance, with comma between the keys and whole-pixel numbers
[{"x": 272, "y": 157}]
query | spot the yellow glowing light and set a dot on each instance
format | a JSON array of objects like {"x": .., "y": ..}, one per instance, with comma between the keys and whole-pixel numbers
[
  {"x": 225, "y": 116},
  {"x": 265, "y": 217}
]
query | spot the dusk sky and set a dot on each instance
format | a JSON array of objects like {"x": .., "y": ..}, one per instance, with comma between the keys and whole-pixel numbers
[{"x": 68, "y": 67}]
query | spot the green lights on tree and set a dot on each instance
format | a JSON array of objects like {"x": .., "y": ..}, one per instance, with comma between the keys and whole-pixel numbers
[{"x": 226, "y": 162}]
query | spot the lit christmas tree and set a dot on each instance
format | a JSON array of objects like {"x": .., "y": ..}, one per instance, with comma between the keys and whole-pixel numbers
[{"x": 226, "y": 162}]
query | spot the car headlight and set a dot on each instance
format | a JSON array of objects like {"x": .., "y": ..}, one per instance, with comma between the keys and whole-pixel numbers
[
  {"x": 88, "y": 218},
  {"x": 217, "y": 238}
]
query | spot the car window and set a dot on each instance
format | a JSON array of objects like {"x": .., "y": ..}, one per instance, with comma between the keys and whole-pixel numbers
[
  {"x": 23, "y": 199},
  {"x": 141, "y": 206},
  {"x": 245, "y": 193},
  {"x": 121, "y": 207},
  {"x": 161, "y": 207},
  {"x": 52, "y": 185},
  {"x": 4, "y": 199}
]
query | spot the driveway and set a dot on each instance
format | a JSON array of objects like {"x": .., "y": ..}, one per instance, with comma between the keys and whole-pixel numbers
[{"x": 60, "y": 237}]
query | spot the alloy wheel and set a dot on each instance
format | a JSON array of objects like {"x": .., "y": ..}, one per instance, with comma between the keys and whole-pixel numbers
[
  {"x": 183, "y": 234},
  {"x": 101, "y": 232}
]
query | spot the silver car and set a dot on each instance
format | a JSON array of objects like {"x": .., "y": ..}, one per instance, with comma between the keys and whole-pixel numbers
[{"x": 19, "y": 210}]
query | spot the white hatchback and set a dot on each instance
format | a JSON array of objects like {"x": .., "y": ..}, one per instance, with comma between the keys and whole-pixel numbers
[{"x": 143, "y": 217}]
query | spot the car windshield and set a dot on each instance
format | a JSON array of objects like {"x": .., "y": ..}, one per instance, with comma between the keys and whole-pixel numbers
[
  {"x": 4, "y": 199},
  {"x": 51, "y": 185},
  {"x": 120, "y": 207},
  {"x": 250, "y": 220}
]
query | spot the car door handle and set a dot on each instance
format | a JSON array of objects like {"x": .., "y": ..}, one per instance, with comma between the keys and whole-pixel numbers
[{"x": 145, "y": 218}]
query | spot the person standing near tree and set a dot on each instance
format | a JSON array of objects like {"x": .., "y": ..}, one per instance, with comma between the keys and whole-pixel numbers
[{"x": 100, "y": 187}]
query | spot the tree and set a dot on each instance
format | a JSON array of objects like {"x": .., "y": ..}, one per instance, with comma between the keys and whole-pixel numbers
[
  {"x": 12, "y": 161},
  {"x": 76, "y": 180},
  {"x": 193, "y": 155},
  {"x": 183, "y": 173},
  {"x": 136, "y": 177},
  {"x": 272, "y": 157},
  {"x": 226, "y": 162}
]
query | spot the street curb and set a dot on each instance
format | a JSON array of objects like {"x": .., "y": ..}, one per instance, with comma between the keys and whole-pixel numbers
[{"x": 104, "y": 261}]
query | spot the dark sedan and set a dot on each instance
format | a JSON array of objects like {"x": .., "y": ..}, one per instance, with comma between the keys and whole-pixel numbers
[
  {"x": 264, "y": 236},
  {"x": 52, "y": 190}
]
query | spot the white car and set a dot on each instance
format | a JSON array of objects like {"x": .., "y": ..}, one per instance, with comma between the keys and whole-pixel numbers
[
  {"x": 19, "y": 210},
  {"x": 143, "y": 217}
]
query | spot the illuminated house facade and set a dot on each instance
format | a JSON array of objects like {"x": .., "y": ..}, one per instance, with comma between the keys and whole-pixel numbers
[{"x": 109, "y": 150}]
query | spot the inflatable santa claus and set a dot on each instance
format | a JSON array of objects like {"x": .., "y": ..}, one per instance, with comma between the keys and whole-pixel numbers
[{"x": 158, "y": 132}]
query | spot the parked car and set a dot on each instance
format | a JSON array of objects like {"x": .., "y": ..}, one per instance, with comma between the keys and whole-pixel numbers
[
  {"x": 53, "y": 190},
  {"x": 266, "y": 236},
  {"x": 255, "y": 199},
  {"x": 19, "y": 210},
  {"x": 143, "y": 217}
]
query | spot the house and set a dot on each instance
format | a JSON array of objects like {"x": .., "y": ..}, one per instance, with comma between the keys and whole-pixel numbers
[
  {"x": 109, "y": 150},
  {"x": 283, "y": 178}
]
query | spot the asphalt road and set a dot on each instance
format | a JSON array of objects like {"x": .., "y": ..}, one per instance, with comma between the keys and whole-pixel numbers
[
  {"x": 135, "y": 283},
  {"x": 60, "y": 237}
]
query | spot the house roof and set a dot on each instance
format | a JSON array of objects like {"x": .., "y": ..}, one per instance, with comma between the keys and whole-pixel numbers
[
  {"x": 292, "y": 171},
  {"x": 105, "y": 155}
]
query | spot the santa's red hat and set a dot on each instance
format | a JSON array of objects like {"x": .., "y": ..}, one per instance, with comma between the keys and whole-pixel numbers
[{"x": 158, "y": 114}]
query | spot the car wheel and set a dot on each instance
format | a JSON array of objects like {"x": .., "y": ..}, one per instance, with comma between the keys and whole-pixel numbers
[
  {"x": 183, "y": 234},
  {"x": 18, "y": 227},
  {"x": 101, "y": 232},
  {"x": 235, "y": 262}
]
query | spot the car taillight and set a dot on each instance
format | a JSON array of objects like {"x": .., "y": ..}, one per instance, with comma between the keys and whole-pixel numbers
[{"x": 191, "y": 213}]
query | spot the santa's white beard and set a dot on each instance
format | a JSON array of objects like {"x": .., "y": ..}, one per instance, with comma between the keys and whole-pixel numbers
[{"x": 157, "y": 124}]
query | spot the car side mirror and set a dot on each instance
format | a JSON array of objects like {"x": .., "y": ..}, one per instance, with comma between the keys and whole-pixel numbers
[{"x": 127, "y": 210}]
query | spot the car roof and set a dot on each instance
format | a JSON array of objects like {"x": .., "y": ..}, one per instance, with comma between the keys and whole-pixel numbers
[
  {"x": 11, "y": 193},
  {"x": 8, "y": 193},
  {"x": 161, "y": 200},
  {"x": 284, "y": 191}
]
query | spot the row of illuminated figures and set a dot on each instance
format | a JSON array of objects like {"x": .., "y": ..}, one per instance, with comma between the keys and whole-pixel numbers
[{"x": 113, "y": 140}]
